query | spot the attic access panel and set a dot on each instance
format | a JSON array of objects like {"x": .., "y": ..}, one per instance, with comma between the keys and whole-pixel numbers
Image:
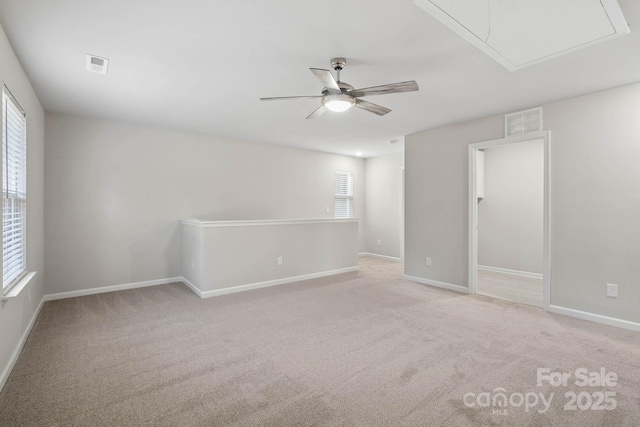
[{"x": 520, "y": 33}]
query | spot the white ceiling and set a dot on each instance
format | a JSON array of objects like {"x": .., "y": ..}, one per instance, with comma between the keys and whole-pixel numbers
[{"x": 201, "y": 65}]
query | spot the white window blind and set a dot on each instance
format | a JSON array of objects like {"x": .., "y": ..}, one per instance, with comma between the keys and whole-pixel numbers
[
  {"x": 14, "y": 191},
  {"x": 343, "y": 194}
]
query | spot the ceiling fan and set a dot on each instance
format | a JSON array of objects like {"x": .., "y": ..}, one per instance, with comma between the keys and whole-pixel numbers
[{"x": 340, "y": 96}]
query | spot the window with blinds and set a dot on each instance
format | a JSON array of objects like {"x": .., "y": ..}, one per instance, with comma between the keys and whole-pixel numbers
[
  {"x": 14, "y": 191},
  {"x": 343, "y": 194}
]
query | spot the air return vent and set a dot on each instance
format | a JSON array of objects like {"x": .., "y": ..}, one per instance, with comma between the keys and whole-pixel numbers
[
  {"x": 97, "y": 64},
  {"x": 523, "y": 122}
]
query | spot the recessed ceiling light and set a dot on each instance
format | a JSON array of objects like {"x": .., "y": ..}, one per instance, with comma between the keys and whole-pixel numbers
[
  {"x": 359, "y": 154},
  {"x": 97, "y": 64}
]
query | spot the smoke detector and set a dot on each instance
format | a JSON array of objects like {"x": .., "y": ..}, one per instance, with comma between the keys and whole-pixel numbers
[{"x": 97, "y": 64}]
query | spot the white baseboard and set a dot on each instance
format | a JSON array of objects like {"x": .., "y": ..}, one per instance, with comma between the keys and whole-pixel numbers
[
  {"x": 191, "y": 286},
  {"x": 93, "y": 291},
  {"x": 388, "y": 258},
  {"x": 611, "y": 321},
  {"x": 16, "y": 352},
  {"x": 443, "y": 285},
  {"x": 509, "y": 271},
  {"x": 258, "y": 285}
]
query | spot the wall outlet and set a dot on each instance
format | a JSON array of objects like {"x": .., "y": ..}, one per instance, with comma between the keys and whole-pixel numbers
[
  {"x": 327, "y": 210},
  {"x": 612, "y": 290},
  {"x": 280, "y": 261},
  {"x": 428, "y": 261},
  {"x": 379, "y": 242}
]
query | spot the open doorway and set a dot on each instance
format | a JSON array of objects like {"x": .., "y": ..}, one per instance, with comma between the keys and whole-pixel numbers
[{"x": 508, "y": 219}]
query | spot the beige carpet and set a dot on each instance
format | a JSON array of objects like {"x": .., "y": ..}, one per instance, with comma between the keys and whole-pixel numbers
[{"x": 360, "y": 349}]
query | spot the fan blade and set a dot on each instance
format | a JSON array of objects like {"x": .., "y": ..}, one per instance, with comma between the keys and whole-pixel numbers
[
  {"x": 318, "y": 112},
  {"x": 280, "y": 98},
  {"x": 410, "y": 86},
  {"x": 327, "y": 79},
  {"x": 371, "y": 107}
]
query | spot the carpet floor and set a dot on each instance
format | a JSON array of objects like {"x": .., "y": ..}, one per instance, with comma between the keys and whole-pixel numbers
[{"x": 365, "y": 349}]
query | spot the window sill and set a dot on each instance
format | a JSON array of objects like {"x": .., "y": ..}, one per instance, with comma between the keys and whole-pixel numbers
[{"x": 17, "y": 289}]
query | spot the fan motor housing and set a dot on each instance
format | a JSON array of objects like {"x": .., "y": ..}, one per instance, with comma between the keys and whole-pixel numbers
[
  {"x": 344, "y": 87},
  {"x": 338, "y": 63}
]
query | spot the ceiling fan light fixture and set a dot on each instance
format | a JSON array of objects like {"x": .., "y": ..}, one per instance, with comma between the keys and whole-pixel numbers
[
  {"x": 340, "y": 96},
  {"x": 338, "y": 103}
]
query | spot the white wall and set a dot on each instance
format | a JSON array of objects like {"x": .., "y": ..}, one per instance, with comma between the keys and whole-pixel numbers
[
  {"x": 16, "y": 314},
  {"x": 510, "y": 216},
  {"x": 218, "y": 256},
  {"x": 115, "y": 193},
  {"x": 595, "y": 201},
  {"x": 383, "y": 208}
]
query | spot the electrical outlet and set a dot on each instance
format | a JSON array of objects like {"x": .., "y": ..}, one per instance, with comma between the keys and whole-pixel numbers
[
  {"x": 612, "y": 290},
  {"x": 379, "y": 242},
  {"x": 327, "y": 210},
  {"x": 428, "y": 261},
  {"x": 280, "y": 261}
]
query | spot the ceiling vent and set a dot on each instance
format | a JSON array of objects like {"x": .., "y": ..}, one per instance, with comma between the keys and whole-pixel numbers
[
  {"x": 97, "y": 64},
  {"x": 523, "y": 122}
]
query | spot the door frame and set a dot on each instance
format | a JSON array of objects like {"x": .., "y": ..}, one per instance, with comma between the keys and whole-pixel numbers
[
  {"x": 545, "y": 136},
  {"x": 402, "y": 178}
]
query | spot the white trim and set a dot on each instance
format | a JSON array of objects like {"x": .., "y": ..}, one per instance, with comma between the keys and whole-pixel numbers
[
  {"x": 16, "y": 352},
  {"x": 513, "y": 272},
  {"x": 523, "y": 137},
  {"x": 18, "y": 287},
  {"x": 546, "y": 224},
  {"x": 402, "y": 203},
  {"x": 473, "y": 209},
  {"x": 102, "y": 290},
  {"x": 245, "y": 223},
  {"x": 598, "y": 318},
  {"x": 191, "y": 286},
  {"x": 443, "y": 285},
  {"x": 258, "y": 285},
  {"x": 388, "y": 258}
]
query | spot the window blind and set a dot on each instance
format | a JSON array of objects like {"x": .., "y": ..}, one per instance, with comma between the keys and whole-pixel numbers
[
  {"x": 343, "y": 194},
  {"x": 14, "y": 191}
]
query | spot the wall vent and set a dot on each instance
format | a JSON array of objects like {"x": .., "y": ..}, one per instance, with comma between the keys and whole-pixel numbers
[
  {"x": 97, "y": 64},
  {"x": 523, "y": 122}
]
